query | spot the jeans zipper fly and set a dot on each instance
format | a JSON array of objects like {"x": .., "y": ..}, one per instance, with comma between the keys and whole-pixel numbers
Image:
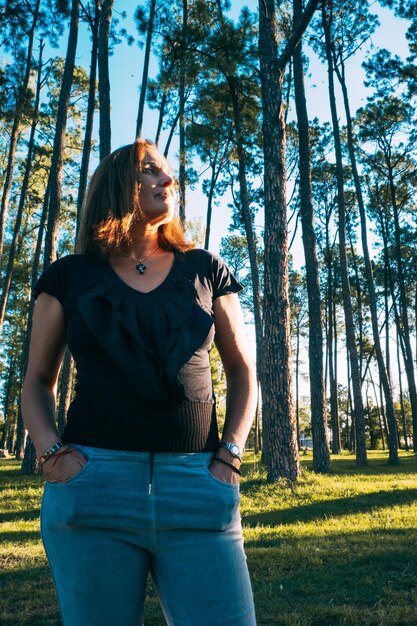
[{"x": 151, "y": 457}]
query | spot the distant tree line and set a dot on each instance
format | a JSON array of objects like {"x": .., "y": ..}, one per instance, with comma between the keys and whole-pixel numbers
[{"x": 233, "y": 94}]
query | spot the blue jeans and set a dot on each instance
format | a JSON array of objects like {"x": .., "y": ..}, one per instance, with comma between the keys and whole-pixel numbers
[{"x": 129, "y": 513}]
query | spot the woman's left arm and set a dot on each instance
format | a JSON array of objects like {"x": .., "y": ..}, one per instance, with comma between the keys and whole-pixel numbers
[{"x": 235, "y": 353}]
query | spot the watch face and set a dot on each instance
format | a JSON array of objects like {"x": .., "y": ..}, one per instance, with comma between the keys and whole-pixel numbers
[{"x": 235, "y": 449}]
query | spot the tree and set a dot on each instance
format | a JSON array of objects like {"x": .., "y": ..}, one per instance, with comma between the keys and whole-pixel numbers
[
  {"x": 381, "y": 123},
  {"x": 103, "y": 77},
  {"x": 55, "y": 176},
  {"x": 321, "y": 456},
  {"x": 361, "y": 456},
  {"x": 342, "y": 48},
  {"x": 147, "y": 25},
  {"x": 280, "y": 440},
  {"x": 22, "y": 89}
]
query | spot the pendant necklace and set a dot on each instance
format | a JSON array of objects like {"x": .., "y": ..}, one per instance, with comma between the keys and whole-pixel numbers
[{"x": 141, "y": 267}]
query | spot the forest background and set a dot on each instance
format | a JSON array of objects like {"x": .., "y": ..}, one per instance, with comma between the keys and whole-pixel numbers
[{"x": 308, "y": 192}]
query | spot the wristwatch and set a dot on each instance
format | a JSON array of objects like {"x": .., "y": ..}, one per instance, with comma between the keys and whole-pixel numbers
[{"x": 233, "y": 448}]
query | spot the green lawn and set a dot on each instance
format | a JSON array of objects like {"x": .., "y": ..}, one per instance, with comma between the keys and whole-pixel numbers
[{"x": 337, "y": 549}]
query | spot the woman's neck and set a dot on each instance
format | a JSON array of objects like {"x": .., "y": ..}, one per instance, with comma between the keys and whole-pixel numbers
[{"x": 144, "y": 240}]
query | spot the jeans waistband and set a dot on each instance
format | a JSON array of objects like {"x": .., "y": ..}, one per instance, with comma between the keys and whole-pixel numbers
[{"x": 169, "y": 458}]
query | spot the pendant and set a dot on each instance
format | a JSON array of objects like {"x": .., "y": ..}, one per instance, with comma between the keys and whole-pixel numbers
[{"x": 141, "y": 267}]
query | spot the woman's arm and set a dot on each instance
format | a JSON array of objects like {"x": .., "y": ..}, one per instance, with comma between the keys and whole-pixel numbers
[
  {"x": 47, "y": 349},
  {"x": 234, "y": 350}
]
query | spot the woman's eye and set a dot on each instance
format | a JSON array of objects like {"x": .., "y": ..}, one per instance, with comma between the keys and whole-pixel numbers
[{"x": 150, "y": 169}]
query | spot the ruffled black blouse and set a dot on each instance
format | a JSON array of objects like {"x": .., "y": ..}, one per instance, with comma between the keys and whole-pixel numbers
[{"x": 142, "y": 359}]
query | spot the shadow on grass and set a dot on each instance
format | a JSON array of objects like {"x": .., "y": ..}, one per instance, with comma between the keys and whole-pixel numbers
[
  {"x": 324, "y": 576},
  {"x": 363, "y": 503},
  {"x": 19, "y": 536},
  {"x": 29, "y": 515},
  {"x": 28, "y": 598}
]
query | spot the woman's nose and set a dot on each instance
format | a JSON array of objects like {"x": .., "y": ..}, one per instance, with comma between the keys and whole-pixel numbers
[{"x": 167, "y": 179}]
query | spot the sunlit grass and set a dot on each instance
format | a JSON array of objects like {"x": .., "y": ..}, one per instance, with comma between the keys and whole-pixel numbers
[{"x": 332, "y": 550}]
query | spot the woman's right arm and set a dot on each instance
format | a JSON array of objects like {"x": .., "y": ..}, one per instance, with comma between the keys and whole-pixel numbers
[{"x": 47, "y": 349}]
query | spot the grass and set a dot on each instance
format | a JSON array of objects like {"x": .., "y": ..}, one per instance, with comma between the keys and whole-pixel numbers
[{"x": 335, "y": 550}]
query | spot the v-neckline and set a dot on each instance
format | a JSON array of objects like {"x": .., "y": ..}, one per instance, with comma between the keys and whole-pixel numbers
[{"x": 145, "y": 293}]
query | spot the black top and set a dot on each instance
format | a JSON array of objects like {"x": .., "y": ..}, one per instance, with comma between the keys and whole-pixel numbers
[{"x": 143, "y": 371}]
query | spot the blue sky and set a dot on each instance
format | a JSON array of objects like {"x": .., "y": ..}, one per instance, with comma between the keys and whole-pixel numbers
[
  {"x": 125, "y": 76},
  {"x": 126, "y": 70}
]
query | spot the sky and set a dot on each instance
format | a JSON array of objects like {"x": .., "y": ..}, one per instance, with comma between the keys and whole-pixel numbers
[{"x": 125, "y": 77}]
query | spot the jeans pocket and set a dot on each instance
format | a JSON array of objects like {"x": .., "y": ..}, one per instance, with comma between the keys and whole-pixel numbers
[
  {"x": 221, "y": 483},
  {"x": 73, "y": 478}
]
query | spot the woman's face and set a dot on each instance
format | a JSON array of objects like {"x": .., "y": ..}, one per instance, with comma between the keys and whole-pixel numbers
[{"x": 157, "y": 192}]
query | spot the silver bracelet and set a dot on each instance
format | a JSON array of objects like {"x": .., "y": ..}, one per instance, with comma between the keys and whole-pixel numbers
[{"x": 50, "y": 451}]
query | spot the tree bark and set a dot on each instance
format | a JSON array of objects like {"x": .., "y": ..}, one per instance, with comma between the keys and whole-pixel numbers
[
  {"x": 182, "y": 153},
  {"x": 103, "y": 77},
  {"x": 65, "y": 388},
  {"x": 145, "y": 73},
  {"x": 280, "y": 435},
  {"x": 400, "y": 383},
  {"x": 55, "y": 175},
  {"x": 361, "y": 455},
  {"x": 321, "y": 455},
  {"x": 88, "y": 134}
]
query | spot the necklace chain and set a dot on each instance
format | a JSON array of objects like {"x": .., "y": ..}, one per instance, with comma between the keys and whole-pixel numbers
[{"x": 141, "y": 267}]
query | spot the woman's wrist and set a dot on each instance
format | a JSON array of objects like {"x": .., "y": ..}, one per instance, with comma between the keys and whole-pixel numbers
[
  {"x": 50, "y": 451},
  {"x": 231, "y": 464}
]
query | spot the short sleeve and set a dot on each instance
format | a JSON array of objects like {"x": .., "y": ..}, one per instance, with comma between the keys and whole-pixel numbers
[
  {"x": 51, "y": 281},
  {"x": 223, "y": 280}
]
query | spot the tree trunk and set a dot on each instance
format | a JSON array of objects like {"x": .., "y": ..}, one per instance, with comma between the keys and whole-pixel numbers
[
  {"x": 383, "y": 375},
  {"x": 408, "y": 356},
  {"x": 280, "y": 433},
  {"x": 400, "y": 381},
  {"x": 55, "y": 175},
  {"x": 249, "y": 232},
  {"x": 20, "y": 101},
  {"x": 331, "y": 347},
  {"x": 25, "y": 184},
  {"x": 88, "y": 134},
  {"x": 361, "y": 455},
  {"x": 280, "y": 436},
  {"x": 321, "y": 455},
  {"x": 297, "y": 373},
  {"x": 142, "y": 97},
  {"x": 182, "y": 154},
  {"x": 210, "y": 206},
  {"x": 65, "y": 388},
  {"x": 171, "y": 134},
  {"x": 8, "y": 422},
  {"x": 381, "y": 426},
  {"x": 103, "y": 77},
  {"x": 160, "y": 117}
]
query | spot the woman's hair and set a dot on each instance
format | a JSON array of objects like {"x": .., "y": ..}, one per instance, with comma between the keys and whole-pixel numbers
[{"x": 112, "y": 206}]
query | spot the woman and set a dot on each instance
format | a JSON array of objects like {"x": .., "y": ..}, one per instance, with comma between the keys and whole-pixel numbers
[{"x": 139, "y": 481}]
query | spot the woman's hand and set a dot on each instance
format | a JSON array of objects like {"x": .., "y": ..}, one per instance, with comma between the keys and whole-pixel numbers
[
  {"x": 63, "y": 465},
  {"x": 223, "y": 472}
]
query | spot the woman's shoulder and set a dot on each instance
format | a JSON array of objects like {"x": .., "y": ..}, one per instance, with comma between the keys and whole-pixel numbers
[
  {"x": 73, "y": 263},
  {"x": 201, "y": 257}
]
